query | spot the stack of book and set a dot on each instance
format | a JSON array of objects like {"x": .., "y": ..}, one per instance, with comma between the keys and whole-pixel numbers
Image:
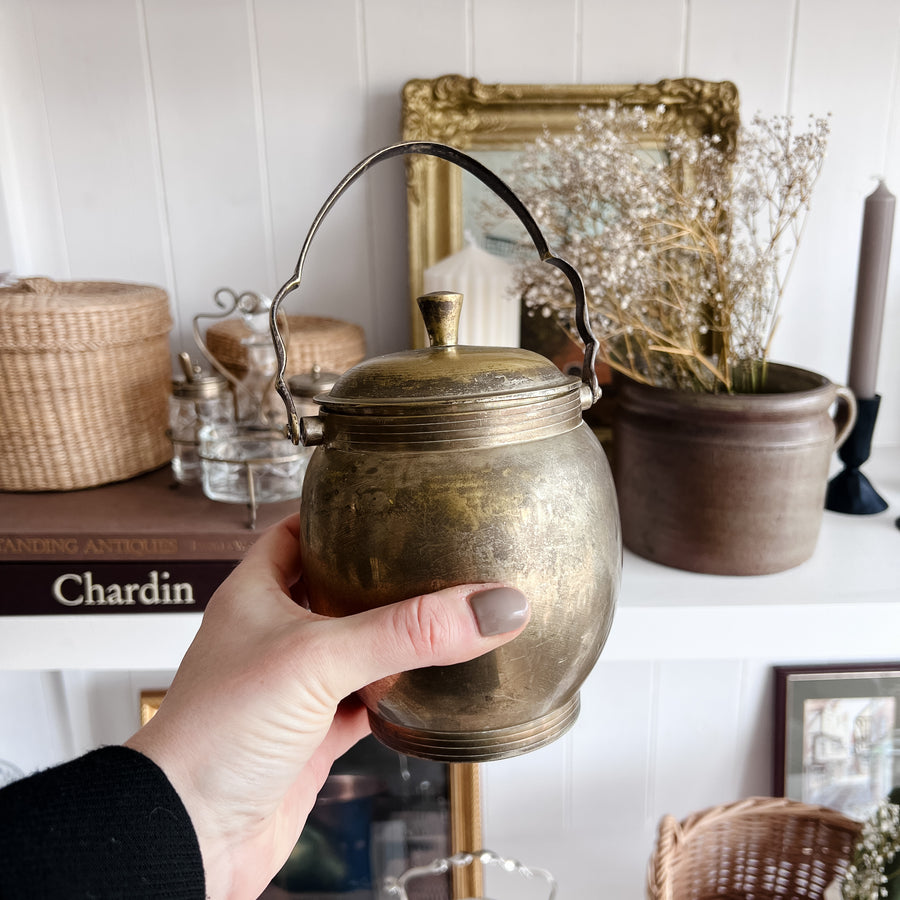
[{"x": 143, "y": 545}]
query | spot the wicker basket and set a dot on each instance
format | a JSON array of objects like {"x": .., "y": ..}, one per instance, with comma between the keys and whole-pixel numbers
[
  {"x": 762, "y": 848},
  {"x": 330, "y": 343},
  {"x": 86, "y": 374}
]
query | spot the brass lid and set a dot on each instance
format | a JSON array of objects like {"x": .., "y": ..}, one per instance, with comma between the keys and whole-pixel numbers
[
  {"x": 195, "y": 385},
  {"x": 446, "y": 372}
]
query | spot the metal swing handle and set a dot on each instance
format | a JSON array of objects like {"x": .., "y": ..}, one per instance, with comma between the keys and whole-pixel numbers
[{"x": 499, "y": 187}]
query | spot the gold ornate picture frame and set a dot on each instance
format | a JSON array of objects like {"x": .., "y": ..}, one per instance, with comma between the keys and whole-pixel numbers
[
  {"x": 478, "y": 118},
  {"x": 461, "y": 795}
]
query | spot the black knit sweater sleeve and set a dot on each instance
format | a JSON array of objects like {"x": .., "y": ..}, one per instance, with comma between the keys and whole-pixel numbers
[{"x": 106, "y": 825}]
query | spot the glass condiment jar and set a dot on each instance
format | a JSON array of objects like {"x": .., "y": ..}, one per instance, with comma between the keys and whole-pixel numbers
[
  {"x": 250, "y": 465},
  {"x": 196, "y": 401},
  {"x": 248, "y": 460},
  {"x": 257, "y": 402}
]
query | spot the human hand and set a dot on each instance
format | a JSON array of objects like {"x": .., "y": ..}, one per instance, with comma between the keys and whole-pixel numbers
[{"x": 263, "y": 703}]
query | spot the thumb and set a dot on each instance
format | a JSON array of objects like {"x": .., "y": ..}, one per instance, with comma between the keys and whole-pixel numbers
[{"x": 450, "y": 626}]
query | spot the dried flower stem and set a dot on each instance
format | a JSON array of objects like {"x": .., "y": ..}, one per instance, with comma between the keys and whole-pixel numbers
[
  {"x": 875, "y": 850},
  {"x": 685, "y": 249}
]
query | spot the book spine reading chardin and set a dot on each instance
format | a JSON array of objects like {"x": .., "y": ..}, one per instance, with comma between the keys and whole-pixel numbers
[
  {"x": 138, "y": 546},
  {"x": 106, "y": 574}
]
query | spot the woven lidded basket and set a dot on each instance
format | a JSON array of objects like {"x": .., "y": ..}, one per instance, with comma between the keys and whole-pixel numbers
[
  {"x": 85, "y": 376},
  {"x": 332, "y": 344}
]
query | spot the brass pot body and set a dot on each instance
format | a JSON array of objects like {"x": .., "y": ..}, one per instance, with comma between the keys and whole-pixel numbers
[
  {"x": 404, "y": 500},
  {"x": 454, "y": 465}
]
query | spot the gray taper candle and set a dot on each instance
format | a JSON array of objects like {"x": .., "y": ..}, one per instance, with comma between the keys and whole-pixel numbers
[{"x": 871, "y": 287}]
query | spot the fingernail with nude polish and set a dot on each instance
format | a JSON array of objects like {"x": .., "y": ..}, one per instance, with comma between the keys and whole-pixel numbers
[{"x": 498, "y": 610}]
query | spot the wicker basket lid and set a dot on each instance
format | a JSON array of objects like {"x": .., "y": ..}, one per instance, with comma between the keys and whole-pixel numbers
[
  {"x": 87, "y": 374},
  {"x": 39, "y": 314},
  {"x": 332, "y": 344}
]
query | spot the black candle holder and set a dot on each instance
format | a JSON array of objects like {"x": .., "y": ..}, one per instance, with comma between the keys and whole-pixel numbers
[{"x": 850, "y": 491}]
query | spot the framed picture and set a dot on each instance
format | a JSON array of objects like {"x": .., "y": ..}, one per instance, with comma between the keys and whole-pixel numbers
[
  {"x": 447, "y": 207},
  {"x": 494, "y": 122},
  {"x": 837, "y": 734},
  {"x": 379, "y": 814}
]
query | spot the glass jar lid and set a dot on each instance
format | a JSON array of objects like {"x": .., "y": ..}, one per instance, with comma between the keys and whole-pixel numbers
[
  {"x": 307, "y": 385},
  {"x": 201, "y": 387}
]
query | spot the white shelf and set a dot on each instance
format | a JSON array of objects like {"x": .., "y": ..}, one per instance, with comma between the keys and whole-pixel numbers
[
  {"x": 129, "y": 642},
  {"x": 843, "y": 603}
]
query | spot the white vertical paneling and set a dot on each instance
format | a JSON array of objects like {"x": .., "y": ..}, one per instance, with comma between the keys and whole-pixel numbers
[
  {"x": 509, "y": 811},
  {"x": 31, "y": 199},
  {"x": 888, "y": 382},
  {"x": 32, "y": 217},
  {"x": 525, "y": 41},
  {"x": 7, "y": 251},
  {"x": 818, "y": 311},
  {"x": 725, "y": 42},
  {"x": 638, "y": 41},
  {"x": 612, "y": 746},
  {"x": 104, "y": 706},
  {"x": 525, "y": 799},
  {"x": 599, "y": 825},
  {"x": 99, "y": 128},
  {"x": 754, "y": 733},
  {"x": 111, "y": 711},
  {"x": 57, "y": 711},
  {"x": 190, "y": 143},
  {"x": 694, "y": 762},
  {"x": 203, "y": 90},
  {"x": 406, "y": 39},
  {"x": 75, "y": 688},
  {"x": 887, "y": 429},
  {"x": 432, "y": 42},
  {"x": 32, "y": 736},
  {"x": 314, "y": 110},
  {"x": 612, "y": 757}
]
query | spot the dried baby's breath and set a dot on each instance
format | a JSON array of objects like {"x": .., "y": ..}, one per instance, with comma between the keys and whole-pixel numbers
[
  {"x": 684, "y": 244},
  {"x": 876, "y": 848}
]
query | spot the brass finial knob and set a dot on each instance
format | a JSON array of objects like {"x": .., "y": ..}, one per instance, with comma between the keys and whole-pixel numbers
[{"x": 440, "y": 311}]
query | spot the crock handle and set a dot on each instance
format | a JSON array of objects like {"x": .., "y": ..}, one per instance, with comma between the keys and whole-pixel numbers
[
  {"x": 844, "y": 415},
  {"x": 496, "y": 184}
]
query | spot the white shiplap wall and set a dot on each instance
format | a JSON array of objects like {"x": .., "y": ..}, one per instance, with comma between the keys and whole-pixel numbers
[{"x": 188, "y": 143}]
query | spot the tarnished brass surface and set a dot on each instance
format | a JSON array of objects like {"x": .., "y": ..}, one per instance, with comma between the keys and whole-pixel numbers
[
  {"x": 455, "y": 465},
  {"x": 380, "y": 526},
  {"x": 408, "y": 498}
]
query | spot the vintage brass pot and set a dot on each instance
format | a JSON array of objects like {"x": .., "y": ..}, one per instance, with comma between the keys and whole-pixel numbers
[{"x": 456, "y": 464}]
